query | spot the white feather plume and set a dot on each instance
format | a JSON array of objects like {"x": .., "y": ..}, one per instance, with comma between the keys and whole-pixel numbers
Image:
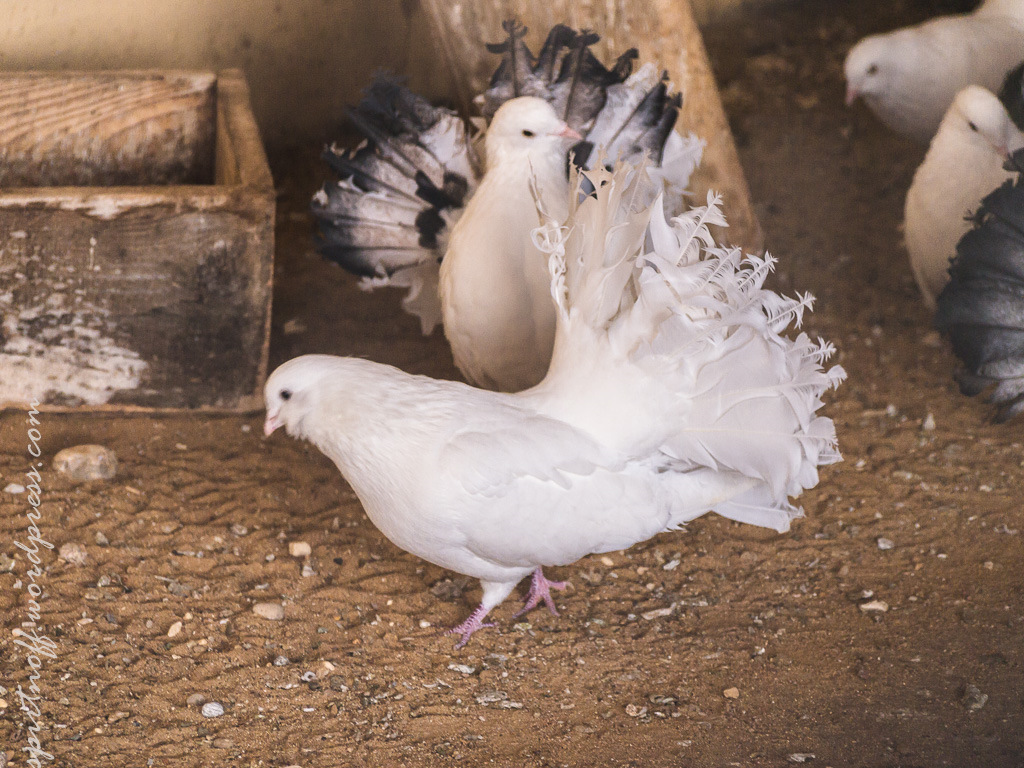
[{"x": 653, "y": 310}]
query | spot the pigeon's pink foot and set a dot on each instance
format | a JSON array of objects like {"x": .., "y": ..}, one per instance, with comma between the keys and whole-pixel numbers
[
  {"x": 540, "y": 589},
  {"x": 469, "y": 626}
]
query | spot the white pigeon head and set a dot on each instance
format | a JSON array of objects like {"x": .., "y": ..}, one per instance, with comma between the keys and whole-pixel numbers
[
  {"x": 872, "y": 67},
  {"x": 527, "y": 128},
  {"x": 293, "y": 392},
  {"x": 978, "y": 117}
]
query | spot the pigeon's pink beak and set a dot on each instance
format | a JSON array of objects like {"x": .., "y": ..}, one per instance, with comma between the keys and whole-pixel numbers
[
  {"x": 272, "y": 422},
  {"x": 851, "y": 95},
  {"x": 567, "y": 133}
]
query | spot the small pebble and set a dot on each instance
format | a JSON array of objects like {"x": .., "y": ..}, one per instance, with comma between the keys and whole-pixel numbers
[
  {"x": 463, "y": 668},
  {"x": 86, "y": 462},
  {"x": 101, "y": 539},
  {"x": 281, "y": 661},
  {"x": 3, "y": 704},
  {"x": 308, "y": 676},
  {"x": 14, "y": 488},
  {"x": 928, "y": 425},
  {"x": 213, "y": 709},
  {"x": 801, "y": 757},
  {"x": 337, "y": 683},
  {"x": 658, "y": 613},
  {"x": 731, "y": 693},
  {"x": 73, "y": 554},
  {"x": 634, "y": 711},
  {"x": 884, "y": 543},
  {"x": 175, "y": 629},
  {"x": 299, "y": 549},
  {"x": 879, "y": 606},
  {"x": 196, "y": 700},
  {"x": 307, "y": 571},
  {"x": 973, "y": 699},
  {"x": 269, "y": 611},
  {"x": 239, "y": 530},
  {"x": 607, "y": 561},
  {"x": 223, "y": 743},
  {"x": 117, "y": 716}
]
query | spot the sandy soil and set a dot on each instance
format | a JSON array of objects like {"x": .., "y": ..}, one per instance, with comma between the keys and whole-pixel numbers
[{"x": 634, "y": 672}]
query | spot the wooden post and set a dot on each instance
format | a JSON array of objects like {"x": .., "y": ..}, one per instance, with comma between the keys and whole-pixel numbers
[{"x": 664, "y": 31}]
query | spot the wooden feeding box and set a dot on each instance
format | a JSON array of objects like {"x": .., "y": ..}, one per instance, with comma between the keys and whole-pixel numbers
[{"x": 136, "y": 241}]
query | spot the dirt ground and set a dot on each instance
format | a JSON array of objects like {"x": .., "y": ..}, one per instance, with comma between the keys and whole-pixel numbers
[{"x": 638, "y": 669}]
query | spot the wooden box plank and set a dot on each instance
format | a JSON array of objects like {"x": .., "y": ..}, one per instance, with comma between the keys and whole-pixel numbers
[
  {"x": 664, "y": 31},
  {"x": 154, "y": 295}
]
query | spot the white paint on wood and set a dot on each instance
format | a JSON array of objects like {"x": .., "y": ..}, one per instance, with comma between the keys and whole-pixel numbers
[
  {"x": 77, "y": 359},
  {"x": 104, "y": 207}
]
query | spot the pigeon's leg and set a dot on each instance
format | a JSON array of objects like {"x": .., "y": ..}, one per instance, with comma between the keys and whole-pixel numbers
[
  {"x": 540, "y": 589},
  {"x": 494, "y": 593}
]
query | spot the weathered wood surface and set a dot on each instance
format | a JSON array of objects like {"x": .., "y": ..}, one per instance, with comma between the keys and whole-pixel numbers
[
  {"x": 154, "y": 297},
  {"x": 664, "y": 31},
  {"x": 106, "y": 129}
]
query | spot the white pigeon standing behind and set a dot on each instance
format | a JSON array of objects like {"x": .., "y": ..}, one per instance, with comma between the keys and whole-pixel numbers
[
  {"x": 964, "y": 163},
  {"x": 671, "y": 392},
  {"x": 909, "y": 77},
  {"x": 495, "y": 303},
  {"x": 392, "y": 217}
]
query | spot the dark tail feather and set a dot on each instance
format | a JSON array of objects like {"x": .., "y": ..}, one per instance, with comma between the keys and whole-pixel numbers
[
  {"x": 981, "y": 309},
  {"x": 566, "y": 73},
  {"x": 387, "y": 216},
  {"x": 559, "y": 39},
  {"x": 645, "y": 130},
  {"x": 1012, "y": 95},
  {"x": 513, "y": 76},
  {"x": 580, "y": 92}
]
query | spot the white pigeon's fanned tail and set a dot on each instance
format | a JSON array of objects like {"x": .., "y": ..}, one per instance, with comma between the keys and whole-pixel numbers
[{"x": 670, "y": 344}]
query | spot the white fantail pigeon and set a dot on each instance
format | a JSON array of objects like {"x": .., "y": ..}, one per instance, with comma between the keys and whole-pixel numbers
[
  {"x": 672, "y": 392},
  {"x": 405, "y": 212},
  {"x": 964, "y": 163},
  {"x": 910, "y": 76},
  {"x": 981, "y": 309}
]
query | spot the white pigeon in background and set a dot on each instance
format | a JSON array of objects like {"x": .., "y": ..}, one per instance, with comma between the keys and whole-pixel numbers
[
  {"x": 493, "y": 279},
  {"x": 964, "y": 163},
  {"x": 406, "y": 212},
  {"x": 671, "y": 392},
  {"x": 909, "y": 77}
]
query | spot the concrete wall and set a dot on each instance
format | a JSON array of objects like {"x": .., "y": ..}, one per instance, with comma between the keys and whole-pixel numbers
[{"x": 304, "y": 59}]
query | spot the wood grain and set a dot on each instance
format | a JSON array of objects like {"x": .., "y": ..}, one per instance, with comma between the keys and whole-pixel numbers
[
  {"x": 664, "y": 31},
  {"x": 105, "y": 129}
]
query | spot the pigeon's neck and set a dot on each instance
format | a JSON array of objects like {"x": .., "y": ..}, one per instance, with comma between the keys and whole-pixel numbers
[{"x": 505, "y": 163}]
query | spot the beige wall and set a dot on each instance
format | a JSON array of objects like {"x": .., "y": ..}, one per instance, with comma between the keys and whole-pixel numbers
[{"x": 304, "y": 59}]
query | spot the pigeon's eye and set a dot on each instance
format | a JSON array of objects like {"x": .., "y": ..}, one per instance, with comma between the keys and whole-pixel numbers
[
  {"x": 529, "y": 134},
  {"x": 286, "y": 394},
  {"x": 972, "y": 126},
  {"x": 873, "y": 69}
]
